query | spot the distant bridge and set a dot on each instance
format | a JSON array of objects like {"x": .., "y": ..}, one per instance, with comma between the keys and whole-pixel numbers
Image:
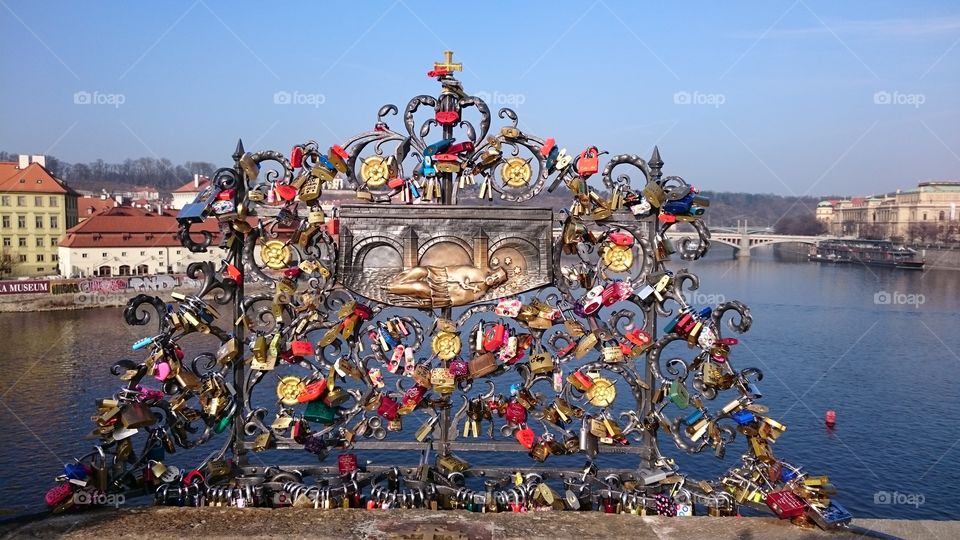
[{"x": 744, "y": 240}]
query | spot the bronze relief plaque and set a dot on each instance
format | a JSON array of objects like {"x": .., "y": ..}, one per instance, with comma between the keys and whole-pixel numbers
[{"x": 429, "y": 256}]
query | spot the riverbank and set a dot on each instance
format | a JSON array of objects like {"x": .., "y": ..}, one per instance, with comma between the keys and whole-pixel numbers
[
  {"x": 61, "y": 295},
  {"x": 169, "y": 522}
]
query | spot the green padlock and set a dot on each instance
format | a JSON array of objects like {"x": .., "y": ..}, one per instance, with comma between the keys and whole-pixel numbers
[
  {"x": 679, "y": 394},
  {"x": 318, "y": 411}
]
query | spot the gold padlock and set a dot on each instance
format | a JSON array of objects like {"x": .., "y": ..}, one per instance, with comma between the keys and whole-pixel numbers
[{"x": 612, "y": 354}]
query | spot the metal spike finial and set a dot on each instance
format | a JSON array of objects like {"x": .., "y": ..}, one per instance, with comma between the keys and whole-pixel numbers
[
  {"x": 655, "y": 162},
  {"x": 238, "y": 153}
]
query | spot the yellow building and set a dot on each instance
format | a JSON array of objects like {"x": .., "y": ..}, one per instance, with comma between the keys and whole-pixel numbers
[
  {"x": 929, "y": 213},
  {"x": 36, "y": 209}
]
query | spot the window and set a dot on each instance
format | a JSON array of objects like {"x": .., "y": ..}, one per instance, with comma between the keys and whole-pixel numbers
[
  {"x": 104, "y": 271},
  {"x": 7, "y": 242},
  {"x": 924, "y": 216},
  {"x": 160, "y": 252},
  {"x": 23, "y": 258},
  {"x": 104, "y": 254},
  {"x": 124, "y": 270},
  {"x": 38, "y": 201},
  {"x": 21, "y": 200},
  {"x": 22, "y": 242},
  {"x": 6, "y": 222},
  {"x": 178, "y": 252},
  {"x": 143, "y": 269},
  {"x": 40, "y": 257},
  {"x": 22, "y": 222},
  {"x": 5, "y": 200},
  {"x": 39, "y": 241},
  {"x": 39, "y": 269},
  {"x": 83, "y": 255},
  {"x": 941, "y": 215},
  {"x": 54, "y": 257},
  {"x": 54, "y": 223},
  {"x": 142, "y": 253},
  {"x": 54, "y": 202},
  {"x": 123, "y": 253},
  {"x": 38, "y": 221}
]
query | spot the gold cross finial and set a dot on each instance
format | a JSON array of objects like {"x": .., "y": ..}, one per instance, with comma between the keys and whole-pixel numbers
[{"x": 447, "y": 64}]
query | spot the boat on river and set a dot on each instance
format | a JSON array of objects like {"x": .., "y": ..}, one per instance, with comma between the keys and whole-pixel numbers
[{"x": 869, "y": 252}]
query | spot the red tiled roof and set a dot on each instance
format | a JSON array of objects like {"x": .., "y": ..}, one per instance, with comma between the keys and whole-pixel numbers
[
  {"x": 87, "y": 206},
  {"x": 129, "y": 227},
  {"x": 190, "y": 188},
  {"x": 33, "y": 179}
]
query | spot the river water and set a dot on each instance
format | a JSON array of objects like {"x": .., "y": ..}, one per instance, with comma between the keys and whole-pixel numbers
[{"x": 879, "y": 346}]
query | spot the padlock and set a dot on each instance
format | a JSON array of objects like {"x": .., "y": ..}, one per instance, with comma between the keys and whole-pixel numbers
[
  {"x": 589, "y": 162},
  {"x": 482, "y": 365},
  {"x": 785, "y": 504},
  {"x": 136, "y": 415},
  {"x": 541, "y": 363}
]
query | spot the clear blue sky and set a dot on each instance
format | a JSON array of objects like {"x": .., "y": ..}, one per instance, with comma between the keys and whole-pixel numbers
[{"x": 777, "y": 97}]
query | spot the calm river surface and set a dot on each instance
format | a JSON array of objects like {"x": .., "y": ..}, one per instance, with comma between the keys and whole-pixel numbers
[{"x": 890, "y": 370}]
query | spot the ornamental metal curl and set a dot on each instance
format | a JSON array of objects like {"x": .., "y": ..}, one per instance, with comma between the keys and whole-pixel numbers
[{"x": 379, "y": 318}]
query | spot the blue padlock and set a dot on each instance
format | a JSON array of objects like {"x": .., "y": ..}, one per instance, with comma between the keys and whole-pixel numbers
[
  {"x": 75, "y": 471},
  {"x": 693, "y": 417},
  {"x": 143, "y": 343},
  {"x": 743, "y": 417},
  {"x": 437, "y": 147}
]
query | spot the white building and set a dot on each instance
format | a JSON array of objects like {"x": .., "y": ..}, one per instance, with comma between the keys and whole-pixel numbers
[
  {"x": 126, "y": 241},
  {"x": 186, "y": 193}
]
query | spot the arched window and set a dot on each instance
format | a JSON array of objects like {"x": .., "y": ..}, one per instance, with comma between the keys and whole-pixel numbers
[
  {"x": 104, "y": 271},
  {"x": 143, "y": 269},
  {"x": 124, "y": 270}
]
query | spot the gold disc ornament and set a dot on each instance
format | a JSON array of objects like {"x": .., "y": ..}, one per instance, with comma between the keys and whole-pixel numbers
[
  {"x": 516, "y": 172},
  {"x": 602, "y": 393},
  {"x": 289, "y": 389},
  {"x": 618, "y": 258},
  {"x": 446, "y": 345},
  {"x": 375, "y": 171},
  {"x": 275, "y": 254}
]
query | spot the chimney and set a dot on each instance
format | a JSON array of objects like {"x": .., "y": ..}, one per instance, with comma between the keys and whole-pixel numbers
[
  {"x": 40, "y": 159},
  {"x": 196, "y": 181},
  {"x": 23, "y": 161}
]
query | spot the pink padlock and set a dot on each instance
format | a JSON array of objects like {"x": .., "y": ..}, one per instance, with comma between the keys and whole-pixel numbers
[
  {"x": 508, "y": 307},
  {"x": 161, "y": 371},
  {"x": 58, "y": 494}
]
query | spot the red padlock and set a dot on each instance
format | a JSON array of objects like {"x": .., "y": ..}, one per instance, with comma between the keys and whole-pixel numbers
[
  {"x": 446, "y": 118},
  {"x": 547, "y": 146},
  {"x": 362, "y": 311},
  {"x": 301, "y": 348},
  {"x": 296, "y": 157},
  {"x": 515, "y": 413},
  {"x": 449, "y": 156},
  {"x": 312, "y": 391},
  {"x": 287, "y": 193},
  {"x": 58, "y": 494},
  {"x": 347, "y": 463},
  {"x": 621, "y": 238},
  {"x": 493, "y": 338},
  {"x": 639, "y": 337},
  {"x": 465, "y": 146},
  {"x": 589, "y": 162},
  {"x": 333, "y": 225},
  {"x": 395, "y": 183},
  {"x": 341, "y": 152},
  {"x": 388, "y": 408}
]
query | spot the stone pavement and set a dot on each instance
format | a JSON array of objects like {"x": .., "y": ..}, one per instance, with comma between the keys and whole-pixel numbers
[{"x": 167, "y": 522}]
